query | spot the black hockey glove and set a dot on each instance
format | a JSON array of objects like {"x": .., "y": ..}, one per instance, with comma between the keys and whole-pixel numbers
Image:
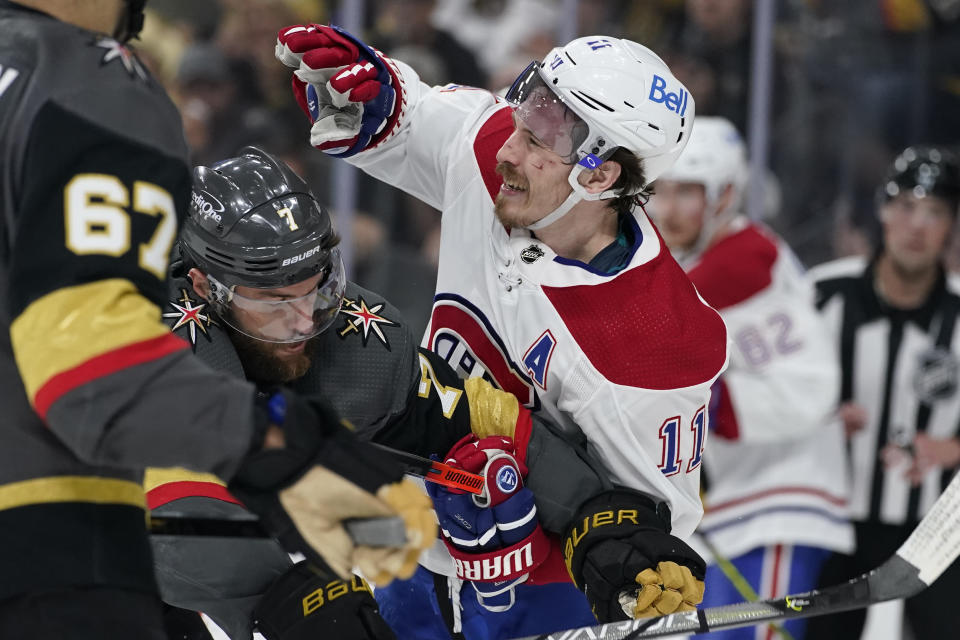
[
  {"x": 620, "y": 554},
  {"x": 304, "y": 604},
  {"x": 323, "y": 476}
]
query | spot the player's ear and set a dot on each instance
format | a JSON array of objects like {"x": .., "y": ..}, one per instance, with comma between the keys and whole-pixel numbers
[
  {"x": 601, "y": 178},
  {"x": 726, "y": 197},
  {"x": 200, "y": 283}
]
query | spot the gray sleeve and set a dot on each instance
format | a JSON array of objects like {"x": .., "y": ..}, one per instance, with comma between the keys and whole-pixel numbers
[
  {"x": 562, "y": 476},
  {"x": 174, "y": 411}
]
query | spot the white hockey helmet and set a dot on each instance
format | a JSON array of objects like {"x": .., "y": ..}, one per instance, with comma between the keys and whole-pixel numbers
[
  {"x": 715, "y": 157},
  {"x": 622, "y": 94}
]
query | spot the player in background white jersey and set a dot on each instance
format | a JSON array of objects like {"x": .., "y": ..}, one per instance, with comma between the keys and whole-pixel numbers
[
  {"x": 554, "y": 284},
  {"x": 893, "y": 318},
  {"x": 776, "y": 468}
]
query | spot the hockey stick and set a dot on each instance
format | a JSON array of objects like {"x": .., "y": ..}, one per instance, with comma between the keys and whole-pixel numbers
[
  {"x": 374, "y": 532},
  {"x": 930, "y": 549},
  {"x": 740, "y": 583},
  {"x": 436, "y": 472}
]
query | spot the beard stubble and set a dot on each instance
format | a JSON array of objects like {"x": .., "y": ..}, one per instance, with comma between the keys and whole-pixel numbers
[{"x": 262, "y": 364}]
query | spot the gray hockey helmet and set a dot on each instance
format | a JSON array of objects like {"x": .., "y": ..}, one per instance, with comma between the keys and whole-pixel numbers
[{"x": 253, "y": 222}]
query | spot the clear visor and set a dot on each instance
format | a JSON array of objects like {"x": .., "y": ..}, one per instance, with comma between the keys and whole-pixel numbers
[
  {"x": 274, "y": 319},
  {"x": 547, "y": 116}
]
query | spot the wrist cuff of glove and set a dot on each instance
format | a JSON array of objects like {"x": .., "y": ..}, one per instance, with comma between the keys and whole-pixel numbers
[
  {"x": 366, "y": 466},
  {"x": 388, "y": 74},
  {"x": 618, "y": 513},
  {"x": 504, "y": 564},
  {"x": 314, "y": 435}
]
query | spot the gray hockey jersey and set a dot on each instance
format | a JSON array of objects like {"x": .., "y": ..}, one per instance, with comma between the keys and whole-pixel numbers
[{"x": 93, "y": 179}]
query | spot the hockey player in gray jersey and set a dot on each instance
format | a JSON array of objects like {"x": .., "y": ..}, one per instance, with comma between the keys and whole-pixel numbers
[
  {"x": 249, "y": 313},
  {"x": 93, "y": 181}
]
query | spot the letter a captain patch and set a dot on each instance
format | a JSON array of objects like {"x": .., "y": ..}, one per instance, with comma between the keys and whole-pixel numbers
[{"x": 537, "y": 358}]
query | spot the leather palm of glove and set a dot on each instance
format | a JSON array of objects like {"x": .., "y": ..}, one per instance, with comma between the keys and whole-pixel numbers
[
  {"x": 495, "y": 538},
  {"x": 620, "y": 554},
  {"x": 345, "y": 88},
  {"x": 303, "y": 604},
  {"x": 323, "y": 476}
]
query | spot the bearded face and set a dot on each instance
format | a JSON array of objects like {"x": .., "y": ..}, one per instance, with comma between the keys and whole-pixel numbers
[{"x": 272, "y": 362}]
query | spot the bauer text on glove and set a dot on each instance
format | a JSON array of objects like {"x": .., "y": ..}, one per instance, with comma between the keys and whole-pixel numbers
[{"x": 620, "y": 554}]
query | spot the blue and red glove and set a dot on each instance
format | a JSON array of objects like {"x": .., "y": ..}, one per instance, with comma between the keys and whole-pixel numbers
[
  {"x": 347, "y": 89},
  {"x": 495, "y": 538}
]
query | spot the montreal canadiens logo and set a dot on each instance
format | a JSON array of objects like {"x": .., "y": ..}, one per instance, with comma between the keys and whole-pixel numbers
[
  {"x": 507, "y": 479},
  {"x": 462, "y": 335}
]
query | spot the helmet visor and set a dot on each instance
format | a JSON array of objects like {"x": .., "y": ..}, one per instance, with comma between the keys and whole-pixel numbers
[
  {"x": 280, "y": 319},
  {"x": 547, "y": 116}
]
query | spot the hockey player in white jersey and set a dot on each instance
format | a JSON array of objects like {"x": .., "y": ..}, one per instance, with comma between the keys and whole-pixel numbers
[
  {"x": 775, "y": 470},
  {"x": 554, "y": 284}
]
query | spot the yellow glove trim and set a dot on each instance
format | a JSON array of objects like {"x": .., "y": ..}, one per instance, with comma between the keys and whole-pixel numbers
[
  {"x": 492, "y": 412},
  {"x": 382, "y": 565},
  {"x": 153, "y": 477},
  {"x": 668, "y": 589}
]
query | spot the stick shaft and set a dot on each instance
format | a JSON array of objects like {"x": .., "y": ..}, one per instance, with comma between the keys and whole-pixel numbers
[
  {"x": 932, "y": 547},
  {"x": 436, "y": 472}
]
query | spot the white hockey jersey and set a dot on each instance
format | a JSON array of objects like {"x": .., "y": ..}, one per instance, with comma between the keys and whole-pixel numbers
[
  {"x": 629, "y": 359},
  {"x": 779, "y": 476}
]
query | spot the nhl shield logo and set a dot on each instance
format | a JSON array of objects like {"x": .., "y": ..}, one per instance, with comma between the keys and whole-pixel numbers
[
  {"x": 936, "y": 374},
  {"x": 531, "y": 254}
]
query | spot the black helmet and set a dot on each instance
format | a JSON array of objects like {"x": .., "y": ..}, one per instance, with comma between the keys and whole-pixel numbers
[
  {"x": 253, "y": 222},
  {"x": 924, "y": 171}
]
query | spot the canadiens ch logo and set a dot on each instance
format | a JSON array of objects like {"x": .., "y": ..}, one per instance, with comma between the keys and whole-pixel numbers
[
  {"x": 114, "y": 51},
  {"x": 365, "y": 320},
  {"x": 462, "y": 335},
  {"x": 189, "y": 314}
]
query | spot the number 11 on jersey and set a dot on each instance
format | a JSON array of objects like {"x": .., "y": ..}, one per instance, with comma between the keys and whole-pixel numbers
[{"x": 671, "y": 462}]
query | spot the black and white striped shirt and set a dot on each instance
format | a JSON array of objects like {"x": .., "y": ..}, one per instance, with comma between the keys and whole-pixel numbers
[{"x": 902, "y": 367}]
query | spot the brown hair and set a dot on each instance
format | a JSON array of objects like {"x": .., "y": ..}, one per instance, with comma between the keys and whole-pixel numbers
[{"x": 631, "y": 180}]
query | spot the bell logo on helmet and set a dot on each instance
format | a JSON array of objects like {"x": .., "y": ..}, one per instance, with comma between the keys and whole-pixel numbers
[
  {"x": 299, "y": 258},
  {"x": 676, "y": 102}
]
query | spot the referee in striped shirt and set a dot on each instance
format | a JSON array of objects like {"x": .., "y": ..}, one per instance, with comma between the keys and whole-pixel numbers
[{"x": 894, "y": 320}]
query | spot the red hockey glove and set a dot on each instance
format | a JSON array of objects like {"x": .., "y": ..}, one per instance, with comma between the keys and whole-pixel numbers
[
  {"x": 495, "y": 538},
  {"x": 346, "y": 88}
]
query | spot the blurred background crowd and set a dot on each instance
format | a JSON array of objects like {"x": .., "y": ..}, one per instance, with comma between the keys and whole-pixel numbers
[{"x": 825, "y": 92}]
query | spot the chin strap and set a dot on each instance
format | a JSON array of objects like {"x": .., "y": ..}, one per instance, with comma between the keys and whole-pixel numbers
[{"x": 587, "y": 163}]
